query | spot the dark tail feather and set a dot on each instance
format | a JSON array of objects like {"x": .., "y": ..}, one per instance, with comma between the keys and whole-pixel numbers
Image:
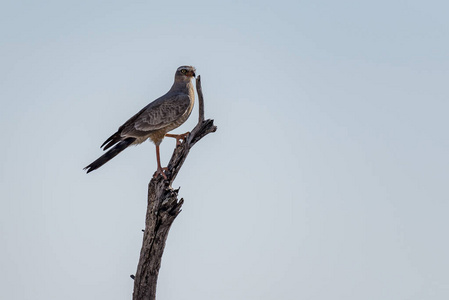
[
  {"x": 113, "y": 139},
  {"x": 110, "y": 154}
]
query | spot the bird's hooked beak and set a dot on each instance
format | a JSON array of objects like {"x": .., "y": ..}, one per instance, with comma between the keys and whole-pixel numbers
[{"x": 191, "y": 73}]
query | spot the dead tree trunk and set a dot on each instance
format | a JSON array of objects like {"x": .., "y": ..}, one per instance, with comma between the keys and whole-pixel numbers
[{"x": 163, "y": 208}]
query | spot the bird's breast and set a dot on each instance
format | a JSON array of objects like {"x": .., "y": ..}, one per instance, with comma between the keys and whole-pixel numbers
[{"x": 158, "y": 135}]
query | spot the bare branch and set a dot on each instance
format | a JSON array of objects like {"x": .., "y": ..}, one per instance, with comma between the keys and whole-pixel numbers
[
  {"x": 163, "y": 208},
  {"x": 199, "y": 90}
]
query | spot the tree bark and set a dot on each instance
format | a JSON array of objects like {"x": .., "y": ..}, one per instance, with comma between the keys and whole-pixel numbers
[{"x": 163, "y": 208}]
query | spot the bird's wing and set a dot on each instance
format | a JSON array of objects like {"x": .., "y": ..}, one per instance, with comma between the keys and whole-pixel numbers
[{"x": 158, "y": 114}]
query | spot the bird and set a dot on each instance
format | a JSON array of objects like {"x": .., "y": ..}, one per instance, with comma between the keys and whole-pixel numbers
[{"x": 154, "y": 121}]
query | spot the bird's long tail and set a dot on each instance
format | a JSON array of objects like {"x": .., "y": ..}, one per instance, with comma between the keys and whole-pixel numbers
[{"x": 110, "y": 154}]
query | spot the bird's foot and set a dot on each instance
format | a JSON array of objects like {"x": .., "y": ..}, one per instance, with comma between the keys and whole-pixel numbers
[
  {"x": 178, "y": 137},
  {"x": 160, "y": 171}
]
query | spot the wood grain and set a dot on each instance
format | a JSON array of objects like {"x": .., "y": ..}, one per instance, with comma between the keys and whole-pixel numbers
[{"x": 163, "y": 208}]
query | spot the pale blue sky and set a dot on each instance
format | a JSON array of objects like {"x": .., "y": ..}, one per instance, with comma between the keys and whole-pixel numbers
[{"x": 327, "y": 177}]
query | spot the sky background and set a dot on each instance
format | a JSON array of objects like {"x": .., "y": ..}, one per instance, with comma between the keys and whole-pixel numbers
[{"x": 327, "y": 177}]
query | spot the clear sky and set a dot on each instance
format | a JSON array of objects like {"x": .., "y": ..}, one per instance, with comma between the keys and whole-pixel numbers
[{"x": 327, "y": 177}]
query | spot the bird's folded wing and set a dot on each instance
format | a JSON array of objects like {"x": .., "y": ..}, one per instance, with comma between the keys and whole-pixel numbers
[{"x": 159, "y": 114}]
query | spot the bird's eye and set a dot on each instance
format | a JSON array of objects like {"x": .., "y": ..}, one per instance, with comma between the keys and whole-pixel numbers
[{"x": 183, "y": 71}]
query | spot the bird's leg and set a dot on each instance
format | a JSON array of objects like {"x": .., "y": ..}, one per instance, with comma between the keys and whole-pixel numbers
[
  {"x": 178, "y": 137},
  {"x": 159, "y": 170}
]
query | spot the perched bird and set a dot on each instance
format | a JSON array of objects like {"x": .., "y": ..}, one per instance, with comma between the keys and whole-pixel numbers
[{"x": 154, "y": 121}]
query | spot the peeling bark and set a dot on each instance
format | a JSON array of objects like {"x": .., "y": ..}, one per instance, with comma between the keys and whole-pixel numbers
[{"x": 163, "y": 208}]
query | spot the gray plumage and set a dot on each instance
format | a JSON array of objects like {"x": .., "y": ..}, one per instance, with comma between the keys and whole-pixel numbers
[{"x": 154, "y": 120}]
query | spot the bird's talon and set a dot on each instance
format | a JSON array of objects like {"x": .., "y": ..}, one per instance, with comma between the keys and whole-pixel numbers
[
  {"x": 161, "y": 172},
  {"x": 178, "y": 137}
]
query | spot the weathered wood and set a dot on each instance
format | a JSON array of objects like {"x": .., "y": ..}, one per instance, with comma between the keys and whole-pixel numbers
[
  {"x": 200, "y": 100},
  {"x": 163, "y": 208}
]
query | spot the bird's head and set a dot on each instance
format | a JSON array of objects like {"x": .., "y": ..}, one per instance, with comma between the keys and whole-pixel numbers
[{"x": 185, "y": 73}]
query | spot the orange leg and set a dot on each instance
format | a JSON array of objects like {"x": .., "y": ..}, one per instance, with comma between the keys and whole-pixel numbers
[
  {"x": 159, "y": 170},
  {"x": 178, "y": 137}
]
